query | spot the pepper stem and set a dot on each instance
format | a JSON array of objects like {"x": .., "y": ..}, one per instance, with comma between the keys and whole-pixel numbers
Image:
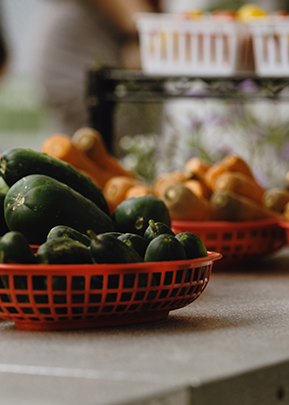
[
  {"x": 152, "y": 225},
  {"x": 92, "y": 235}
]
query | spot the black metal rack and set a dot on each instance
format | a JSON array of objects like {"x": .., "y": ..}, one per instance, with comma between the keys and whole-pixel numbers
[{"x": 106, "y": 87}]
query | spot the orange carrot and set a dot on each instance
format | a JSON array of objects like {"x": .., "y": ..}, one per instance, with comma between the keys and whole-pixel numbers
[
  {"x": 235, "y": 163},
  {"x": 198, "y": 187},
  {"x": 231, "y": 163},
  {"x": 163, "y": 180},
  {"x": 240, "y": 184},
  {"x": 196, "y": 167},
  {"x": 91, "y": 143},
  {"x": 116, "y": 188},
  {"x": 139, "y": 191},
  {"x": 213, "y": 173},
  {"x": 61, "y": 147}
]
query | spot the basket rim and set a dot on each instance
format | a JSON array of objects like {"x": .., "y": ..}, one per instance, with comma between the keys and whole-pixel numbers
[
  {"x": 40, "y": 269},
  {"x": 269, "y": 21},
  {"x": 177, "y": 18},
  {"x": 284, "y": 224},
  {"x": 226, "y": 224}
]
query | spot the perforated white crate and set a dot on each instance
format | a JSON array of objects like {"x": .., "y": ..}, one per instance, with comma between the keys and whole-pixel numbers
[
  {"x": 206, "y": 46},
  {"x": 271, "y": 46}
]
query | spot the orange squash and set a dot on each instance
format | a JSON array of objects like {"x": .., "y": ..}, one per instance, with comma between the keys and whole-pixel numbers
[
  {"x": 234, "y": 207},
  {"x": 184, "y": 205},
  {"x": 276, "y": 199}
]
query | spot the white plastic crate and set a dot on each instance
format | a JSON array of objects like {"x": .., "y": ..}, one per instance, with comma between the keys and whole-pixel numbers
[
  {"x": 271, "y": 47},
  {"x": 205, "y": 47}
]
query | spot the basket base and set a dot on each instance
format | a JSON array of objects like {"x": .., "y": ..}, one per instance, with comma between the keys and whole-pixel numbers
[{"x": 91, "y": 324}]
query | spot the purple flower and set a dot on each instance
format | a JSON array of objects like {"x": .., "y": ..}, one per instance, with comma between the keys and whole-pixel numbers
[
  {"x": 193, "y": 123},
  {"x": 248, "y": 86},
  {"x": 257, "y": 133}
]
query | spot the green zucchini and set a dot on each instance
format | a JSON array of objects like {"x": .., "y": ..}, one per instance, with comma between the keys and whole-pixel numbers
[
  {"x": 193, "y": 245},
  {"x": 63, "y": 250},
  {"x": 36, "y": 203},
  {"x": 155, "y": 229},
  {"x": 164, "y": 247},
  {"x": 136, "y": 242},
  {"x": 16, "y": 163},
  {"x": 108, "y": 249},
  {"x": 68, "y": 232},
  {"x": 14, "y": 248},
  {"x": 133, "y": 214}
]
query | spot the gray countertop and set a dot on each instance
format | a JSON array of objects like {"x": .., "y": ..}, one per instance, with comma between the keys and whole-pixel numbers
[{"x": 232, "y": 342}]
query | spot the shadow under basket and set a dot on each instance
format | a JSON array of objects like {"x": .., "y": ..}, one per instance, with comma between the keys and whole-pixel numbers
[
  {"x": 65, "y": 297},
  {"x": 237, "y": 241}
]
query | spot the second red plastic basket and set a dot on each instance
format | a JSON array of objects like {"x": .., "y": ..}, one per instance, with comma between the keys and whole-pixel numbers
[{"x": 237, "y": 241}]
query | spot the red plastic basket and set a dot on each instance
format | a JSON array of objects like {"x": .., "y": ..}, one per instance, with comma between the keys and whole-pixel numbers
[
  {"x": 237, "y": 241},
  {"x": 285, "y": 225},
  {"x": 60, "y": 297}
]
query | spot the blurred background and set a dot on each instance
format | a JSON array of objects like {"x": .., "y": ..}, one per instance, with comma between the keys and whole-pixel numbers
[
  {"x": 261, "y": 129},
  {"x": 24, "y": 120}
]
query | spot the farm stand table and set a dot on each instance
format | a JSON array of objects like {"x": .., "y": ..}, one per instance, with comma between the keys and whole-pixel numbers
[{"x": 231, "y": 346}]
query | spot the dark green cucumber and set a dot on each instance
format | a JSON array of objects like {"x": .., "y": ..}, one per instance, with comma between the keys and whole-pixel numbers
[
  {"x": 63, "y": 250},
  {"x": 68, "y": 232},
  {"x": 133, "y": 214},
  {"x": 14, "y": 248},
  {"x": 16, "y": 163},
  {"x": 193, "y": 245},
  {"x": 155, "y": 229},
  {"x": 136, "y": 242},
  {"x": 3, "y": 226},
  {"x": 164, "y": 247},
  {"x": 114, "y": 234},
  {"x": 37, "y": 203},
  {"x": 108, "y": 249}
]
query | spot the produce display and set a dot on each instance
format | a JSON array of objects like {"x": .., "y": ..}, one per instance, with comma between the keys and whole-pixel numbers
[
  {"x": 224, "y": 191},
  {"x": 246, "y": 13},
  {"x": 55, "y": 200},
  {"x": 220, "y": 43},
  {"x": 87, "y": 152},
  {"x": 65, "y": 245},
  {"x": 120, "y": 259},
  {"x": 49, "y": 203}
]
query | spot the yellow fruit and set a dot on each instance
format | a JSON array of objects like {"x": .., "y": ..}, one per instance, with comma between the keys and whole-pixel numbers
[
  {"x": 192, "y": 14},
  {"x": 250, "y": 11}
]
